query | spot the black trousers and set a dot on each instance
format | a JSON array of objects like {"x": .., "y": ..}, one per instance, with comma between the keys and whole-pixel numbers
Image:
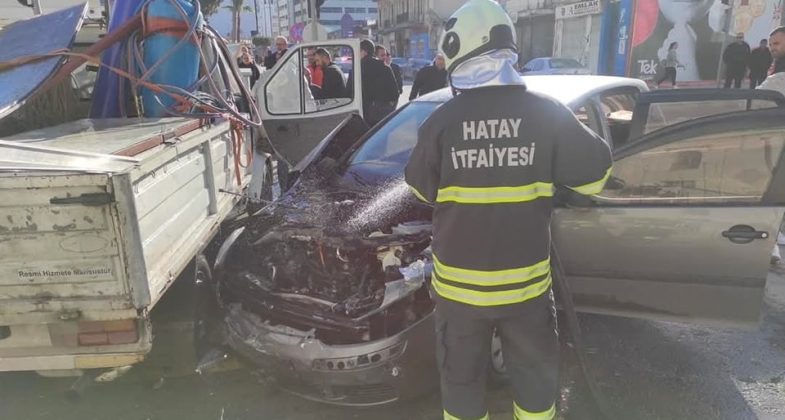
[
  {"x": 530, "y": 348},
  {"x": 756, "y": 78},
  {"x": 734, "y": 74},
  {"x": 670, "y": 73}
]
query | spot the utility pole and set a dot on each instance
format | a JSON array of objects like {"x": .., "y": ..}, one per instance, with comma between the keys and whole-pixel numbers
[
  {"x": 37, "y": 9},
  {"x": 274, "y": 4},
  {"x": 256, "y": 15},
  {"x": 314, "y": 20},
  {"x": 725, "y": 30}
]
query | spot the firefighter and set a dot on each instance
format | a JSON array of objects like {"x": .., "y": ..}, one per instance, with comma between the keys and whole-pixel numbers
[{"x": 489, "y": 160}]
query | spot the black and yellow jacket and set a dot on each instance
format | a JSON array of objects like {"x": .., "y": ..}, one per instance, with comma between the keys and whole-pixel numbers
[{"x": 489, "y": 160}]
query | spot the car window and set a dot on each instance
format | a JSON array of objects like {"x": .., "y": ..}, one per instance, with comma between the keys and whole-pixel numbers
[
  {"x": 665, "y": 114},
  {"x": 587, "y": 114},
  {"x": 565, "y": 63},
  {"x": 293, "y": 90},
  {"x": 617, "y": 108},
  {"x": 393, "y": 142},
  {"x": 283, "y": 88},
  {"x": 727, "y": 167},
  {"x": 316, "y": 97}
]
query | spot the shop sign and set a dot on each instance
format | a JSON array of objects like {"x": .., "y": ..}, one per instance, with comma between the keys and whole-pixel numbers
[{"x": 583, "y": 8}]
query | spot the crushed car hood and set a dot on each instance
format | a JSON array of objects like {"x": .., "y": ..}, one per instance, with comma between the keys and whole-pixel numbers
[{"x": 333, "y": 260}]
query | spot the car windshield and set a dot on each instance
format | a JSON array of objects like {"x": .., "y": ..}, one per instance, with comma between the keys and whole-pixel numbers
[
  {"x": 387, "y": 150},
  {"x": 564, "y": 63}
]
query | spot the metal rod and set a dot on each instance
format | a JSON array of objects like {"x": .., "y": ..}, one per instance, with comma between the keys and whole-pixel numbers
[{"x": 728, "y": 14}]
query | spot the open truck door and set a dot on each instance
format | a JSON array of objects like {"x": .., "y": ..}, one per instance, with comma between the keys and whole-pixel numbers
[
  {"x": 685, "y": 225},
  {"x": 294, "y": 117}
]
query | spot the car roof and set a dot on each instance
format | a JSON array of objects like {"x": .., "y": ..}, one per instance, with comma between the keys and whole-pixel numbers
[{"x": 567, "y": 89}]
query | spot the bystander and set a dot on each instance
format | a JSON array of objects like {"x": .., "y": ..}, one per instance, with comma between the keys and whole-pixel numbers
[
  {"x": 736, "y": 58},
  {"x": 760, "y": 61},
  {"x": 429, "y": 78}
]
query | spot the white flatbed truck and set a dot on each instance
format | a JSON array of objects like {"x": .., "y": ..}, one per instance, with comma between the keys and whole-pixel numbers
[{"x": 97, "y": 220}]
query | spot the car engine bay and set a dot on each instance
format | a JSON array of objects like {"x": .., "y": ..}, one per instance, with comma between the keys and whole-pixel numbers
[{"x": 346, "y": 268}]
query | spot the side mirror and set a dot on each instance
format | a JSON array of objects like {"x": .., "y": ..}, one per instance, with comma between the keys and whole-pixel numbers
[{"x": 525, "y": 69}]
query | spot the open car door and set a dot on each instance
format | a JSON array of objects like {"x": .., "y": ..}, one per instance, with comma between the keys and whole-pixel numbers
[
  {"x": 658, "y": 109},
  {"x": 685, "y": 227},
  {"x": 296, "y": 114}
]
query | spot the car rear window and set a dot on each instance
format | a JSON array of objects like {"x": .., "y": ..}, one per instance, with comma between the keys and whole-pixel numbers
[
  {"x": 665, "y": 114},
  {"x": 564, "y": 63}
]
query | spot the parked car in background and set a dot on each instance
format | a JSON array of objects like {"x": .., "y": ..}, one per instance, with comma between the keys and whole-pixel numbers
[
  {"x": 327, "y": 288},
  {"x": 554, "y": 65},
  {"x": 414, "y": 65},
  {"x": 344, "y": 63}
]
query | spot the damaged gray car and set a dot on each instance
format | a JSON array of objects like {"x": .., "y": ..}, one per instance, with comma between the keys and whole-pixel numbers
[{"x": 326, "y": 289}]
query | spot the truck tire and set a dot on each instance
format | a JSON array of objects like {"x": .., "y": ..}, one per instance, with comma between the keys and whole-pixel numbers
[{"x": 179, "y": 323}]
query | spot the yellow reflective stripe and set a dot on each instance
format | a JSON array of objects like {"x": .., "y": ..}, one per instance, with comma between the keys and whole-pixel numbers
[
  {"x": 521, "y": 414},
  {"x": 594, "y": 187},
  {"x": 491, "y": 278},
  {"x": 448, "y": 416},
  {"x": 491, "y": 195},
  {"x": 494, "y": 298},
  {"x": 417, "y": 194}
]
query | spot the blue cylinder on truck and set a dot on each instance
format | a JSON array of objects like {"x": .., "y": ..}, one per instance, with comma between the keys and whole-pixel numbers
[
  {"x": 165, "y": 27},
  {"x": 110, "y": 85}
]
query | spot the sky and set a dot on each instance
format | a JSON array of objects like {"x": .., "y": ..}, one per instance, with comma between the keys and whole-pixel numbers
[{"x": 222, "y": 21}]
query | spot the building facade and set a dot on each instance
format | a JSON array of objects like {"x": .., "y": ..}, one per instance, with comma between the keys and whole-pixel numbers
[
  {"x": 411, "y": 28},
  {"x": 534, "y": 26},
  {"x": 293, "y": 15}
]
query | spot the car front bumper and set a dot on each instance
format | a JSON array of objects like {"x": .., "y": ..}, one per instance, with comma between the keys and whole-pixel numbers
[{"x": 366, "y": 374}]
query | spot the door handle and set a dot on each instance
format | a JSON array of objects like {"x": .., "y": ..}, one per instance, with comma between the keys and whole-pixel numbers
[{"x": 744, "y": 234}]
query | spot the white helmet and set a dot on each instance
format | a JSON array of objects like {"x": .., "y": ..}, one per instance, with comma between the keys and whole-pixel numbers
[{"x": 478, "y": 27}]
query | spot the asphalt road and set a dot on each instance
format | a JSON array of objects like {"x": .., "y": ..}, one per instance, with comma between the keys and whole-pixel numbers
[{"x": 643, "y": 370}]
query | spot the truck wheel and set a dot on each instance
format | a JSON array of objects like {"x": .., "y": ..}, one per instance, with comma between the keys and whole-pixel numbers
[
  {"x": 267, "y": 189},
  {"x": 179, "y": 323},
  {"x": 206, "y": 313}
]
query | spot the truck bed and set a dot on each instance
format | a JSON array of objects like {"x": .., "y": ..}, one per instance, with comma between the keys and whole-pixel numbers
[{"x": 99, "y": 217}]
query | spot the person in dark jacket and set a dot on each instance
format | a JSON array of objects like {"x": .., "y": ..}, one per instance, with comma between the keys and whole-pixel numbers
[
  {"x": 429, "y": 78},
  {"x": 246, "y": 61},
  {"x": 736, "y": 58},
  {"x": 488, "y": 160},
  {"x": 282, "y": 45},
  {"x": 333, "y": 84},
  {"x": 760, "y": 61},
  {"x": 384, "y": 56},
  {"x": 380, "y": 90}
]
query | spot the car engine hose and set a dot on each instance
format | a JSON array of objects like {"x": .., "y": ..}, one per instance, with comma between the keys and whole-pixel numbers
[{"x": 565, "y": 295}]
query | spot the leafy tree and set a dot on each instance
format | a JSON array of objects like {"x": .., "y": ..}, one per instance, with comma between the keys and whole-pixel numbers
[
  {"x": 209, "y": 7},
  {"x": 237, "y": 7},
  {"x": 262, "y": 41}
]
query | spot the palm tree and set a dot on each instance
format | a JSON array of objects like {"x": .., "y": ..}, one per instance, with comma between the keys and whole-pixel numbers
[
  {"x": 209, "y": 7},
  {"x": 237, "y": 7}
]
